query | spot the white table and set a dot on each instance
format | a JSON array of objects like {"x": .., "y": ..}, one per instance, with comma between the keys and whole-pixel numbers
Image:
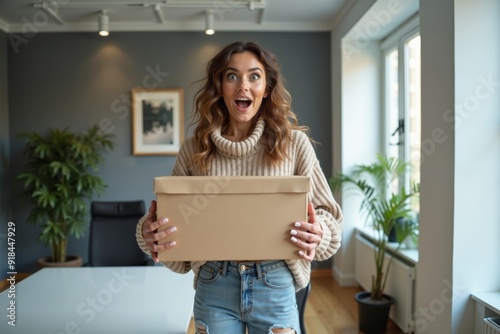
[{"x": 101, "y": 300}]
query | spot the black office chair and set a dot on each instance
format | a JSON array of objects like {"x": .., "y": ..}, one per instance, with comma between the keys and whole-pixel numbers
[
  {"x": 112, "y": 234},
  {"x": 301, "y": 297}
]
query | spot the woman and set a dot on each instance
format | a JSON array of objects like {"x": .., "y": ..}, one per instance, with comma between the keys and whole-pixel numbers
[{"x": 245, "y": 126}]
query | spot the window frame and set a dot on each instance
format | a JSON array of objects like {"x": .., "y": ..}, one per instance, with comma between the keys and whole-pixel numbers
[{"x": 397, "y": 40}]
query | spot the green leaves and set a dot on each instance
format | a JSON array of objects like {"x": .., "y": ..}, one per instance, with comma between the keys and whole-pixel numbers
[
  {"x": 44, "y": 197},
  {"x": 59, "y": 177},
  {"x": 52, "y": 233},
  {"x": 383, "y": 203}
]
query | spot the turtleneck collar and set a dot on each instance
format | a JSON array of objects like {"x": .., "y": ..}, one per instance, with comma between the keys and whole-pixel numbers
[{"x": 242, "y": 148}]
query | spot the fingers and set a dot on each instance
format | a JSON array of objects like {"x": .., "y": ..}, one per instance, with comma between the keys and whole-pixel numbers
[
  {"x": 307, "y": 235},
  {"x": 311, "y": 212},
  {"x": 155, "y": 248},
  {"x": 306, "y": 232},
  {"x": 151, "y": 233},
  {"x": 304, "y": 240},
  {"x": 161, "y": 247},
  {"x": 309, "y": 256},
  {"x": 154, "y": 237},
  {"x": 154, "y": 256},
  {"x": 152, "y": 226},
  {"x": 152, "y": 211},
  {"x": 310, "y": 232},
  {"x": 159, "y": 235}
]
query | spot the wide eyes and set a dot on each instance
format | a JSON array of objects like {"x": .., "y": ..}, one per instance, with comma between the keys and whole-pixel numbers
[{"x": 234, "y": 76}]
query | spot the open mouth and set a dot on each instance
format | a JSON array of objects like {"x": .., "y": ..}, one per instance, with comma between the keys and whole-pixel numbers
[{"x": 243, "y": 102}]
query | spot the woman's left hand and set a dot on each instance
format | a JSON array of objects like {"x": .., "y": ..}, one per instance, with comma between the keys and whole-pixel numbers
[{"x": 307, "y": 235}]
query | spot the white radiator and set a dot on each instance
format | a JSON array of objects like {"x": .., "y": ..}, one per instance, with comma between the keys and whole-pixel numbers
[
  {"x": 400, "y": 283},
  {"x": 491, "y": 326}
]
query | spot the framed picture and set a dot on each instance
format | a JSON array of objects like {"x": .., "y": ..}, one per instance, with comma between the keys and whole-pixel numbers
[{"x": 157, "y": 121}]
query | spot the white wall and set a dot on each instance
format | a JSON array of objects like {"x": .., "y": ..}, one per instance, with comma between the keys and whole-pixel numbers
[
  {"x": 435, "y": 269},
  {"x": 477, "y": 156},
  {"x": 460, "y": 174},
  {"x": 460, "y": 178},
  {"x": 357, "y": 103},
  {"x": 345, "y": 134}
]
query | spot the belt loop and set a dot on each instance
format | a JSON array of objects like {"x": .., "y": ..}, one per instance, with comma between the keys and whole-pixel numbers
[
  {"x": 259, "y": 270},
  {"x": 224, "y": 268}
]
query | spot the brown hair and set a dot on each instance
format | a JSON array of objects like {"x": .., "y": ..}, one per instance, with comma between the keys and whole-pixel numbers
[{"x": 211, "y": 112}]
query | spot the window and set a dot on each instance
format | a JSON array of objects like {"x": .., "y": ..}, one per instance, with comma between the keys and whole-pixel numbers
[{"x": 401, "y": 52}]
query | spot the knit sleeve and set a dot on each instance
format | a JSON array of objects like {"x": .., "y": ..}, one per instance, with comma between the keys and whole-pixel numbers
[
  {"x": 178, "y": 267},
  {"x": 184, "y": 164},
  {"x": 181, "y": 168},
  {"x": 328, "y": 212}
]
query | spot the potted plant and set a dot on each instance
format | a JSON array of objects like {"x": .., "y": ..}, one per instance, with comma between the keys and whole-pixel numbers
[
  {"x": 59, "y": 178},
  {"x": 411, "y": 241},
  {"x": 382, "y": 207},
  {"x": 409, "y": 226}
]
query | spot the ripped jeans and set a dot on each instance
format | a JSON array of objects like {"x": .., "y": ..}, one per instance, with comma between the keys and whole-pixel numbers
[{"x": 234, "y": 296}]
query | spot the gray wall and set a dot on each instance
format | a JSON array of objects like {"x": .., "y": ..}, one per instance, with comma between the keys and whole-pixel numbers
[
  {"x": 5, "y": 193},
  {"x": 79, "y": 79}
]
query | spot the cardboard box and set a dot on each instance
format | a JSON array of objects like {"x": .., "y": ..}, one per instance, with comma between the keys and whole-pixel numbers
[{"x": 231, "y": 218}]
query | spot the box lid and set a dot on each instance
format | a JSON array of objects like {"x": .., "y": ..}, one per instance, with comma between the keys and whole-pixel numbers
[{"x": 231, "y": 184}]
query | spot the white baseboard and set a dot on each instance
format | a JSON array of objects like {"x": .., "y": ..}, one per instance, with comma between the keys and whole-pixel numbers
[{"x": 342, "y": 279}]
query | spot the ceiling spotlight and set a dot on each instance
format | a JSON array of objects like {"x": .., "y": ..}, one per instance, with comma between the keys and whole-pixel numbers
[
  {"x": 209, "y": 30},
  {"x": 103, "y": 24}
]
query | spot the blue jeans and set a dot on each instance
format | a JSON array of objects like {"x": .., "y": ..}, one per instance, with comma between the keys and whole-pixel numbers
[{"x": 234, "y": 296}]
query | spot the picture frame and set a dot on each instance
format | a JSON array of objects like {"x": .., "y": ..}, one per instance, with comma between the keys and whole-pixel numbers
[{"x": 157, "y": 121}]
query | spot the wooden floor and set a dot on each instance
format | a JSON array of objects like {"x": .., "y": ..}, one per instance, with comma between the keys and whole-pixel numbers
[{"x": 330, "y": 309}]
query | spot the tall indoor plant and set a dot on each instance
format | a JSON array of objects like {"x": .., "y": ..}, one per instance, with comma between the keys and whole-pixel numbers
[
  {"x": 59, "y": 178},
  {"x": 383, "y": 206}
]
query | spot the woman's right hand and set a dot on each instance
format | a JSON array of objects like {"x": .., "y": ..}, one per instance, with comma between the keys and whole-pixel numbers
[{"x": 151, "y": 235}]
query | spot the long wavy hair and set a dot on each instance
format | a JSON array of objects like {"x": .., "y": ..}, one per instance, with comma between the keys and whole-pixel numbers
[{"x": 211, "y": 112}]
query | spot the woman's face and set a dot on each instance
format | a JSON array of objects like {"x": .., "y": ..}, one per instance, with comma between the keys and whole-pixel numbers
[{"x": 243, "y": 87}]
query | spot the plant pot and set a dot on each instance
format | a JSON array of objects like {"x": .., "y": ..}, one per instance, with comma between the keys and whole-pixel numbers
[
  {"x": 373, "y": 315},
  {"x": 71, "y": 261},
  {"x": 392, "y": 237}
]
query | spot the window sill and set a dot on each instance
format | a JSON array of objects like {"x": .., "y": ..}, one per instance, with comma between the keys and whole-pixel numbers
[
  {"x": 487, "y": 304},
  {"x": 410, "y": 255}
]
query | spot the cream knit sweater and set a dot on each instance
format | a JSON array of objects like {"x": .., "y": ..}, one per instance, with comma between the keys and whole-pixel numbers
[{"x": 246, "y": 158}]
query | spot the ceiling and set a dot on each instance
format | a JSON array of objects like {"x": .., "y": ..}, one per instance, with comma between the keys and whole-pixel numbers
[{"x": 28, "y": 16}]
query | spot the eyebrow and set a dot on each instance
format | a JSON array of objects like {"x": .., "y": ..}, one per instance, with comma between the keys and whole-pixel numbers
[{"x": 250, "y": 70}]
